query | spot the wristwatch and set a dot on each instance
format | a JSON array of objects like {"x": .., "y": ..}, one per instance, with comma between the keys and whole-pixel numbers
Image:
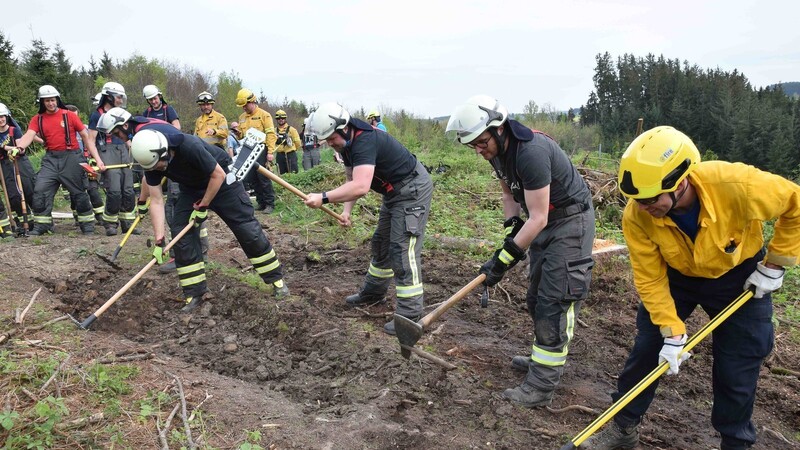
[{"x": 325, "y": 200}]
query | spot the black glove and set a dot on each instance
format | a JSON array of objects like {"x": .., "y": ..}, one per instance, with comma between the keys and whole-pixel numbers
[
  {"x": 503, "y": 259},
  {"x": 512, "y": 226}
]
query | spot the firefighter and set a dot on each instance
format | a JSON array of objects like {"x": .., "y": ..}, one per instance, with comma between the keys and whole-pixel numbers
[
  {"x": 200, "y": 170},
  {"x": 61, "y": 163},
  {"x": 159, "y": 109},
  {"x": 377, "y": 161},
  {"x": 10, "y": 132},
  {"x": 120, "y": 123},
  {"x": 255, "y": 117},
  {"x": 536, "y": 178},
  {"x": 694, "y": 233},
  {"x": 120, "y": 206},
  {"x": 288, "y": 141},
  {"x": 211, "y": 126},
  {"x": 374, "y": 119}
]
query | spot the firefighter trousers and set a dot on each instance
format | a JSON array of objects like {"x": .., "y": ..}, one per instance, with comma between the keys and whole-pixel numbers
[
  {"x": 118, "y": 184},
  {"x": 61, "y": 168},
  {"x": 397, "y": 244},
  {"x": 233, "y": 206}
]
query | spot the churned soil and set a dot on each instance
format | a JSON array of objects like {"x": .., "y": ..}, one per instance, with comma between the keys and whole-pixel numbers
[{"x": 310, "y": 372}]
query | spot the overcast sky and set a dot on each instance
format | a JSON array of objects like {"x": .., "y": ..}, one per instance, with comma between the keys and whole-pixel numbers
[{"x": 423, "y": 56}]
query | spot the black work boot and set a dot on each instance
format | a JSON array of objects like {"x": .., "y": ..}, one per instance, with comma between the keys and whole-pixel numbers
[
  {"x": 87, "y": 228},
  {"x": 521, "y": 363},
  {"x": 192, "y": 303},
  {"x": 111, "y": 229},
  {"x": 126, "y": 225},
  {"x": 613, "y": 437},
  {"x": 528, "y": 395},
  {"x": 390, "y": 329},
  {"x": 364, "y": 299},
  {"x": 40, "y": 229}
]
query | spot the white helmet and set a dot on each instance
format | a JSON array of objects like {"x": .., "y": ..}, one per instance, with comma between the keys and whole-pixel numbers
[
  {"x": 328, "y": 118},
  {"x": 113, "y": 118},
  {"x": 113, "y": 89},
  {"x": 150, "y": 91},
  {"x": 472, "y": 118},
  {"x": 47, "y": 91},
  {"x": 4, "y": 111},
  {"x": 148, "y": 147},
  {"x": 96, "y": 99}
]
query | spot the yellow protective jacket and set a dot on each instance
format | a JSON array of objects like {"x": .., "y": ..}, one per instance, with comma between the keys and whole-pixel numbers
[
  {"x": 734, "y": 201},
  {"x": 214, "y": 121},
  {"x": 262, "y": 121},
  {"x": 292, "y": 136}
]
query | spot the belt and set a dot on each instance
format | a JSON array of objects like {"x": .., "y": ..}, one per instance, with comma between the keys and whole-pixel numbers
[
  {"x": 571, "y": 210},
  {"x": 395, "y": 187}
]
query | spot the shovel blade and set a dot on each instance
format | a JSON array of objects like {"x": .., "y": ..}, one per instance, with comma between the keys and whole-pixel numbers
[{"x": 408, "y": 332}]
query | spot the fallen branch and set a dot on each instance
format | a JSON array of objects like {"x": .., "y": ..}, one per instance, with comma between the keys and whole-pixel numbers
[
  {"x": 322, "y": 369},
  {"x": 127, "y": 358},
  {"x": 191, "y": 416},
  {"x": 83, "y": 421},
  {"x": 53, "y": 376},
  {"x": 184, "y": 417},
  {"x": 162, "y": 433},
  {"x": 323, "y": 333},
  {"x": 375, "y": 315},
  {"x": 784, "y": 371},
  {"x": 582, "y": 323},
  {"x": 425, "y": 355},
  {"x": 49, "y": 322},
  {"x": 778, "y": 436},
  {"x": 21, "y": 317},
  {"x": 573, "y": 408}
]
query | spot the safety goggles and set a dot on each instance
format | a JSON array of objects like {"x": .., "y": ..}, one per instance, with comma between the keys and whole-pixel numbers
[{"x": 648, "y": 201}]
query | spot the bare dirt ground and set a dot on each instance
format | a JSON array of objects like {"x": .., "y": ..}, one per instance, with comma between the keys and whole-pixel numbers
[{"x": 309, "y": 372}]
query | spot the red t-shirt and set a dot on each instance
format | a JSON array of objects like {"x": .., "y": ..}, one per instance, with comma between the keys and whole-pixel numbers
[{"x": 54, "y": 134}]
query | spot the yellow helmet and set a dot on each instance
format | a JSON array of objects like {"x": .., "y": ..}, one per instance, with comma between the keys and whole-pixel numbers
[
  {"x": 373, "y": 114},
  {"x": 280, "y": 114},
  {"x": 656, "y": 162},
  {"x": 245, "y": 96}
]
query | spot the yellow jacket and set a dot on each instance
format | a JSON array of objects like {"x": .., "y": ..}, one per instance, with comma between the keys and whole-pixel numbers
[
  {"x": 291, "y": 135},
  {"x": 734, "y": 201},
  {"x": 214, "y": 121},
  {"x": 262, "y": 121}
]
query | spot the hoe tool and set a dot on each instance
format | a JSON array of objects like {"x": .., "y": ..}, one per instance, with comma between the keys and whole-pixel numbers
[
  {"x": 292, "y": 189},
  {"x": 409, "y": 332},
  {"x": 128, "y": 234},
  {"x": 24, "y": 207},
  {"x": 89, "y": 320},
  {"x": 656, "y": 373},
  {"x": 90, "y": 170}
]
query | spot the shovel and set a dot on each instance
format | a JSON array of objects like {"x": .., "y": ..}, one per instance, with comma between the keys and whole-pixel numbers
[
  {"x": 293, "y": 189},
  {"x": 89, "y": 320},
  {"x": 23, "y": 206},
  {"x": 408, "y": 332},
  {"x": 656, "y": 373}
]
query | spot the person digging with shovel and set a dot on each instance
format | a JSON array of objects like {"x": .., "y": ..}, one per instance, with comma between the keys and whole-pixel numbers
[
  {"x": 377, "y": 161},
  {"x": 694, "y": 233},
  {"x": 200, "y": 168},
  {"x": 537, "y": 178}
]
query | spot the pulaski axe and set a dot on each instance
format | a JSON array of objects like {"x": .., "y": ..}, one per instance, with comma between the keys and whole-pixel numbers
[
  {"x": 409, "y": 332},
  {"x": 247, "y": 160}
]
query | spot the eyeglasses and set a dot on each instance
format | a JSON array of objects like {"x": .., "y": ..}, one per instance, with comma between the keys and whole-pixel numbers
[
  {"x": 483, "y": 143},
  {"x": 648, "y": 201}
]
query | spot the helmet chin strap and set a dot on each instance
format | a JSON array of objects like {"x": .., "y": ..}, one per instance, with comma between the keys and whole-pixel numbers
[
  {"x": 346, "y": 136},
  {"x": 498, "y": 139},
  {"x": 676, "y": 199}
]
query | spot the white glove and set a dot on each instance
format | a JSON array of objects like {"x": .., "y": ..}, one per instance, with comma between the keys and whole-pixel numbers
[
  {"x": 765, "y": 280},
  {"x": 671, "y": 353}
]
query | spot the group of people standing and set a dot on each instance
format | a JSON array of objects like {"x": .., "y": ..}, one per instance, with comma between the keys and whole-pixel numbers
[{"x": 694, "y": 229}]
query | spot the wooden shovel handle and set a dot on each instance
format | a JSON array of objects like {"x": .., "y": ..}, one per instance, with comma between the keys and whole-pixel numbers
[
  {"x": 436, "y": 313},
  {"x": 263, "y": 171},
  {"x": 141, "y": 273}
]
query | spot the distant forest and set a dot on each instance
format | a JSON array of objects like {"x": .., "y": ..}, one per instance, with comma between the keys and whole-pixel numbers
[{"x": 723, "y": 114}]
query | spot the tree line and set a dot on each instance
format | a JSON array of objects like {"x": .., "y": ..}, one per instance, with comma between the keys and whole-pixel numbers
[
  {"x": 21, "y": 76},
  {"x": 723, "y": 114}
]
